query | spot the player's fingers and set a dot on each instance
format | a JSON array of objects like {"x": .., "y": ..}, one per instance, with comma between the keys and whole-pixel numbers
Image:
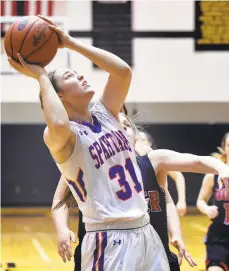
[
  {"x": 180, "y": 256},
  {"x": 46, "y": 19},
  {"x": 61, "y": 253},
  {"x": 68, "y": 252},
  {"x": 15, "y": 64},
  {"x": 189, "y": 259},
  {"x": 22, "y": 61},
  {"x": 16, "y": 68},
  {"x": 67, "y": 249},
  {"x": 56, "y": 29}
]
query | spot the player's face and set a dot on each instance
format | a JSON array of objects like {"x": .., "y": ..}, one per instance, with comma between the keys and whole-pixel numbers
[
  {"x": 227, "y": 148},
  {"x": 72, "y": 85},
  {"x": 127, "y": 127}
]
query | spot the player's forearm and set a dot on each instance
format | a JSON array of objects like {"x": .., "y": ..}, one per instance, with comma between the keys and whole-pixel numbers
[
  {"x": 103, "y": 59},
  {"x": 60, "y": 216},
  {"x": 213, "y": 165},
  {"x": 173, "y": 220},
  {"x": 54, "y": 111},
  {"x": 202, "y": 206},
  {"x": 184, "y": 162},
  {"x": 180, "y": 185}
]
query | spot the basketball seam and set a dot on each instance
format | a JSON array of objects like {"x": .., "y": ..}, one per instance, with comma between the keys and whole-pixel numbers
[
  {"x": 11, "y": 42},
  {"x": 27, "y": 35},
  {"x": 25, "y": 58}
]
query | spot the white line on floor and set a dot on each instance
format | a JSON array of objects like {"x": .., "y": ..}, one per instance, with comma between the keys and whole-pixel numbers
[{"x": 40, "y": 250}]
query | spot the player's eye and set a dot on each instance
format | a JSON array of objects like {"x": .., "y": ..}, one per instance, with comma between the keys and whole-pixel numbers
[{"x": 69, "y": 75}]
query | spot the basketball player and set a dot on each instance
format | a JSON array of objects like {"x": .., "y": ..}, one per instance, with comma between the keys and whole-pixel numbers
[
  {"x": 158, "y": 220},
  {"x": 217, "y": 239},
  {"x": 92, "y": 152},
  {"x": 176, "y": 176}
]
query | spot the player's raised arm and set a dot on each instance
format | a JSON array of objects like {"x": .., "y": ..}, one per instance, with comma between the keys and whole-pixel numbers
[
  {"x": 118, "y": 83},
  {"x": 120, "y": 73},
  {"x": 58, "y": 129}
]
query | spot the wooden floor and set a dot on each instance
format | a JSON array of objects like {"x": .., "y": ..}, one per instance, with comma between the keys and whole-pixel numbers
[{"x": 29, "y": 241}]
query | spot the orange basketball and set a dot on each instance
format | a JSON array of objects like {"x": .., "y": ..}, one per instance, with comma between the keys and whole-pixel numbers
[{"x": 33, "y": 39}]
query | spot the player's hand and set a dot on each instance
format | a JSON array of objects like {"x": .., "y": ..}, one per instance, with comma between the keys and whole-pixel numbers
[
  {"x": 64, "y": 38},
  {"x": 181, "y": 208},
  {"x": 182, "y": 252},
  {"x": 29, "y": 70},
  {"x": 64, "y": 238},
  {"x": 212, "y": 211}
]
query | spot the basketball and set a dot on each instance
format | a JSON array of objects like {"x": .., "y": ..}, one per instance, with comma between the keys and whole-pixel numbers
[{"x": 33, "y": 39}]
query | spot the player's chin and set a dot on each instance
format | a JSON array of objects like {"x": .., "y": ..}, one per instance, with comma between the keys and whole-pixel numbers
[{"x": 89, "y": 91}]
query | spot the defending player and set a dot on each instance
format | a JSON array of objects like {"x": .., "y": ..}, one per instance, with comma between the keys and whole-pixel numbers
[
  {"x": 176, "y": 176},
  {"x": 217, "y": 239}
]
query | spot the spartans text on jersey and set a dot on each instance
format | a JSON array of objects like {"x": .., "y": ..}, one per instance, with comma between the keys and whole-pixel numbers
[{"x": 107, "y": 146}]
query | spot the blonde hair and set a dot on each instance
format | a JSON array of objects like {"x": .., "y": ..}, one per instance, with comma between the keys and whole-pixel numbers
[
  {"x": 135, "y": 127},
  {"x": 221, "y": 150}
]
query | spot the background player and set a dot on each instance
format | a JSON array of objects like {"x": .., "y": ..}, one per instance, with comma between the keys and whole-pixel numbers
[{"x": 217, "y": 239}]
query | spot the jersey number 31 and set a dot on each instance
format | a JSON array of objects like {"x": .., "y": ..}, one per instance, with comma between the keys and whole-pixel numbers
[{"x": 118, "y": 173}]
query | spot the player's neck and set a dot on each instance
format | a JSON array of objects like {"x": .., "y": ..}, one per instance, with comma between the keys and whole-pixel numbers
[{"x": 80, "y": 115}]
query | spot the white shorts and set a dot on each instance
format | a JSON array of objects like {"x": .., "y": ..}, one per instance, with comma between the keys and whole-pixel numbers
[{"x": 120, "y": 249}]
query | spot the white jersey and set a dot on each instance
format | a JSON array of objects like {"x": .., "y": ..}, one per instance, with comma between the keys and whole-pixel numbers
[{"x": 102, "y": 171}]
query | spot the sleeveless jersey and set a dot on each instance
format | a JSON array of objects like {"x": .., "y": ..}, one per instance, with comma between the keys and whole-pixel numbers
[
  {"x": 156, "y": 198},
  {"x": 102, "y": 171},
  {"x": 219, "y": 229}
]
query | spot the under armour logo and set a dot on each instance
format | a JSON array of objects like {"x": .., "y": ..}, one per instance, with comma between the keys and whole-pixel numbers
[
  {"x": 117, "y": 242},
  {"x": 84, "y": 132}
]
